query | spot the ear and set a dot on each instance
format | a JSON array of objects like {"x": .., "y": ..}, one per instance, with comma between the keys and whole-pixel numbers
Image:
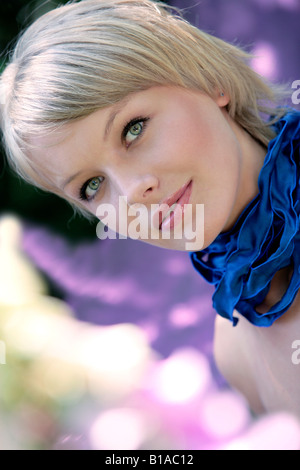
[{"x": 221, "y": 98}]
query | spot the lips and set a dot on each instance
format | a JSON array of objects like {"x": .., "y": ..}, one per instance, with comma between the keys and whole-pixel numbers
[{"x": 164, "y": 218}]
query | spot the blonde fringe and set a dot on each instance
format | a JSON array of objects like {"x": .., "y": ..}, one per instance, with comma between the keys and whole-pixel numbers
[{"x": 90, "y": 54}]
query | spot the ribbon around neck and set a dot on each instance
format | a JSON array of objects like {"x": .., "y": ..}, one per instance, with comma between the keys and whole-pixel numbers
[{"x": 265, "y": 238}]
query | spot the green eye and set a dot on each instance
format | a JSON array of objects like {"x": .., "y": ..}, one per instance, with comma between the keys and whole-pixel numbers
[
  {"x": 136, "y": 129},
  {"x": 92, "y": 187}
]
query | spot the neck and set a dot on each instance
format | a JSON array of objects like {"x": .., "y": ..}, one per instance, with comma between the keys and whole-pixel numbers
[{"x": 253, "y": 155}]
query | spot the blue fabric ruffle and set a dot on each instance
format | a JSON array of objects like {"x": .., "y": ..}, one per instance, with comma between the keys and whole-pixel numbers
[{"x": 242, "y": 262}]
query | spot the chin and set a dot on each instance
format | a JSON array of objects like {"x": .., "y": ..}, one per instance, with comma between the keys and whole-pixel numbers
[{"x": 176, "y": 245}]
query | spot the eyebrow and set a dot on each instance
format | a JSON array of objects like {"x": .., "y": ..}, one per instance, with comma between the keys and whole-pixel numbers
[
  {"x": 117, "y": 108},
  {"x": 71, "y": 178}
]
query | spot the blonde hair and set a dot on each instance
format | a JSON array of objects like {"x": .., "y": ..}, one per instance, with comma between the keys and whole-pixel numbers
[{"x": 87, "y": 55}]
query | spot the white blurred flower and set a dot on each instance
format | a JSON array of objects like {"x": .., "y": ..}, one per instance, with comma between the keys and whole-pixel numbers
[
  {"x": 121, "y": 429},
  {"x": 224, "y": 414},
  {"x": 19, "y": 280},
  {"x": 43, "y": 325},
  {"x": 181, "y": 378},
  {"x": 280, "y": 431},
  {"x": 115, "y": 357}
]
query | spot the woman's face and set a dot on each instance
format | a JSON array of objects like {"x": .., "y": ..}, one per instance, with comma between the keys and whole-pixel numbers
[{"x": 161, "y": 146}]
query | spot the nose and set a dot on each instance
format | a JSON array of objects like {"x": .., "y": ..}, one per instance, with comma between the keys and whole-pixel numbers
[{"x": 141, "y": 189}]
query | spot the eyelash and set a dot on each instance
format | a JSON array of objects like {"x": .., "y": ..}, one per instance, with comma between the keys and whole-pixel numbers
[
  {"x": 129, "y": 125},
  {"x": 82, "y": 191}
]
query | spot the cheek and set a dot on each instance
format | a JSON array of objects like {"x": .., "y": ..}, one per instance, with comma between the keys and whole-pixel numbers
[
  {"x": 220, "y": 196},
  {"x": 220, "y": 151},
  {"x": 218, "y": 177},
  {"x": 197, "y": 139}
]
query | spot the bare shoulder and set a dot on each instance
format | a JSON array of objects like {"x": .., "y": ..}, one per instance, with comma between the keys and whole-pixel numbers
[
  {"x": 233, "y": 359},
  {"x": 259, "y": 361}
]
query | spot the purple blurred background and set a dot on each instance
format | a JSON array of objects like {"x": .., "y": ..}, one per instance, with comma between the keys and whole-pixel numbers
[
  {"x": 119, "y": 281},
  {"x": 267, "y": 28}
]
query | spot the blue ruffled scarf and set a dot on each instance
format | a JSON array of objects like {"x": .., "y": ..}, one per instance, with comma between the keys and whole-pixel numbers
[{"x": 266, "y": 237}]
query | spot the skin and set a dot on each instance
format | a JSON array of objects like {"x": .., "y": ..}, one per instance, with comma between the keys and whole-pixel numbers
[
  {"x": 258, "y": 361},
  {"x": 188, "y": 136}
]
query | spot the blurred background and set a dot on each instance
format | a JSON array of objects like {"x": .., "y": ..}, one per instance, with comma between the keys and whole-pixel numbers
[{"x": 108, "y": 344}]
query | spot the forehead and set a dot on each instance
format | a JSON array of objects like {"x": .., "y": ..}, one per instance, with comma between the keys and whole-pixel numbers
[
  {"x": 48, "y": 141},
  {"x": 54, "y": 152},
  {"x": 47, "y": 150}
]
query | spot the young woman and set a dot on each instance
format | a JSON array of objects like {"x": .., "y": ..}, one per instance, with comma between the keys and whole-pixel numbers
[{"x": 122, "y": 104}]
